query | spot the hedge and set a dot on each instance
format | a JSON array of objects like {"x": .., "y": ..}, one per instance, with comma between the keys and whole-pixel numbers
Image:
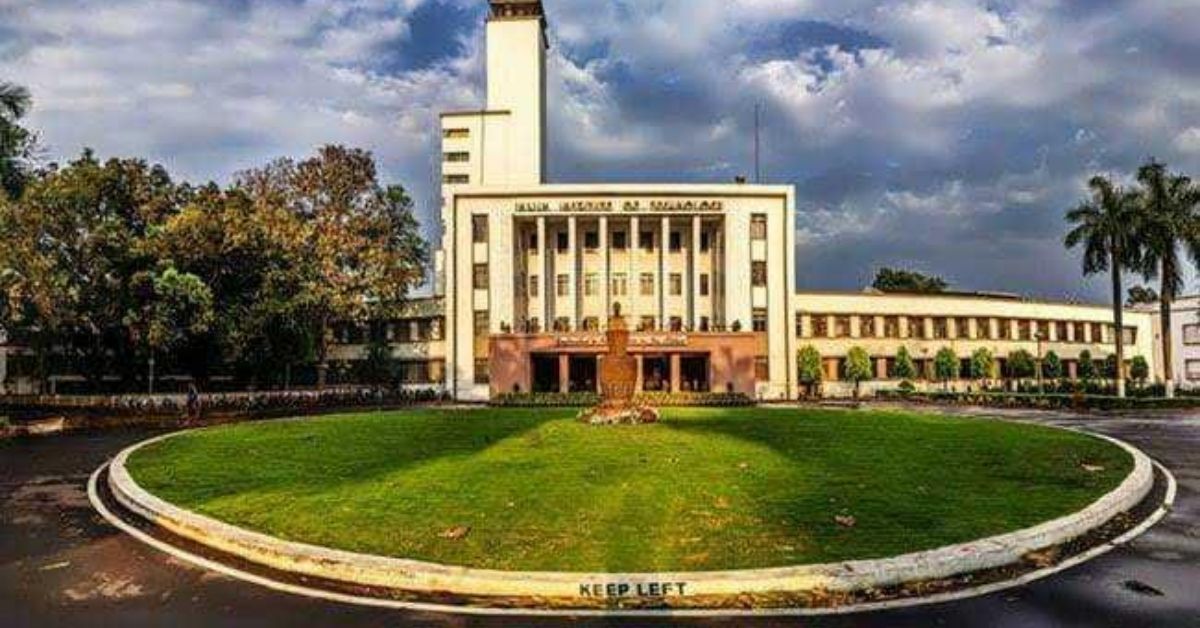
[
  {"x": 1037, "y": 401},
  {"x": 584, "y": 400}
]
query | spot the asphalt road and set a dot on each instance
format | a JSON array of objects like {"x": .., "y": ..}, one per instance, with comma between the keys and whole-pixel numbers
[{"x": 62, "y": 565}]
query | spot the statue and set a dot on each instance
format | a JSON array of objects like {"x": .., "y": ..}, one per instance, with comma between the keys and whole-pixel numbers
[{"x": 618, "y": 381}]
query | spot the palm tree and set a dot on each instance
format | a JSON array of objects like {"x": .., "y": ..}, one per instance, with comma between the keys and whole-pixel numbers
[
  {"x": 1170, "y": 206},
  {"x": 14, "y": 141},
  {"x": 14, "y": 102},
  {"x": 1104, "y": 225}
]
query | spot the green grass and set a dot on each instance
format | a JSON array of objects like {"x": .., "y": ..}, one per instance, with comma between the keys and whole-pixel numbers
[{"x": 705, "y": 489}]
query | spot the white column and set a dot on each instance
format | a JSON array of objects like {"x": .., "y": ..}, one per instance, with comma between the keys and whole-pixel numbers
[
  {"x": 664, "y": 240},
  {"x": 605, "y": 274},
  {"x": 573, "y": 271},
  {"x": 544, "y": 279},
  {"x": 694, "y": 271},
  {"x": 632, "y": 253}
]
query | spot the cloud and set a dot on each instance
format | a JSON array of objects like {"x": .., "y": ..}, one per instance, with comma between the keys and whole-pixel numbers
[{"x": 947, "y": 135}]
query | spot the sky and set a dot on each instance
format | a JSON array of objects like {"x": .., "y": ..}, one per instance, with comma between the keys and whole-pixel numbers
[{"x": 945, "y": 136}]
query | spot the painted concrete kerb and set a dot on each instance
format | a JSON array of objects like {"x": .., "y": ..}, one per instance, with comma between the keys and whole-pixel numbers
[{"x": 423, "y": 577}]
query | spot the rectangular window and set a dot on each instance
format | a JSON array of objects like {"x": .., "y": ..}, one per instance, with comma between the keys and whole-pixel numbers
[
  {"x": 646, "y": 284},
  {"x": 866, "y": 326},
  {"x": 1080, "y": 332},
  {"x": 620, "y": 240},
  {"x": 481, "y": 277},
  {"x": 762, "y": 369},
  {"x": 456, "y": 179},
  {"x": 800, "y": 331},
  {"x": 983, "y": 329},
  {"x": 564, "y": 241},
  {"x": 649, "y": 323},
  {"x": 917, "y": 329},
  {"x": 479, "y": 229},
  {"x": 591, "y": 240},
  {"x": 1130, "y": 336},
  {"x": 483, "y": 372},
  {"x": 758, "y": 227},
  {"x": 758, "y": 274},
  {"x": 457, "y": 157},
  {"x": 534, "y": 245},
  {"x": 704, "y": 285},
  {"x": 1024, "y": 331},
  {"x": 1097, "y": 333},
  {"x": 940, "y": 331},
  {"x": 533, "y": 325},
  {"x": 676, "y": 284},
  {"x": 591, "y": 284},
  {"x": 482, "y": 324},
  {"x": 620, "y": 285},
  {"x": 591, "y": 323},
  {"x": 705, "y": 241},
  {"x": 646, "y": 241},
  {"x": 456, "y": 134},
  {"x": 562, "y": 324},
  {"x": 760, "y": 320},
  {"x": 820, "y": 326},
  {"x": 676, "y": 324},
  {"x": 1192, "y": 368},
  {"x": 962, "y": 328},
  {"x": 1005, "y": 326},
  {"x": 534, "y": 287},
  {"x": 676, "y": 241},
  {"x": 1060, "y": 331},
  {"x": 891, "y": 327},
  {"x": 562, "y": 285},
  {"x": 705, "y": 324},
  {"x": 841, "y": 327},
  {"x": 435, "y": 329}
]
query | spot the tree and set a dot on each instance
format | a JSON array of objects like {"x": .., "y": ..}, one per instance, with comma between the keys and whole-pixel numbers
[
  {"x": 1087, "y": 367},
  {"x": 1169, "y": 221},
  {"x": 904, "y": 369},
  {"x": 1139, "y": 370},
  {"x": 858, "y": 368},
  {"x": 1141, "y": 295},
  {"x": 359, "y": 247},
  {"x": 378, "y": 366},
  {"x": 907, "y": 281},
  {"x": 1021, "y": 364},
  {"x": 1105, "y": 226},
  {"x": 1110, "y": 367},
  {"x": 810, "y": 370},
  {"x": 983, "y": 365},
  {"x": 16, "y": 143},
  {"x": 175, "y": 306},
  {"x": 1052, "y": 367},
  {"x": 945, "y": 366}
]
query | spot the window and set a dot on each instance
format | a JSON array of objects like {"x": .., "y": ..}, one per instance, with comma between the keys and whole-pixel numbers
[
  {"x": 620, "y": 240},
  {"x": 866, "y": 326},
  {"x": 758, "y": 274},
  {"x": 758, "y": 227},
  {"x": 620, "y": 285},
  {"x": 1005, "y": 326},
  {"x": 841, "y": 327},
  {"x": 457, "y": 157},
  {"x": 983, "y": 329},
  {"x": 456, "y": 179},
  {"x": 940, "y": 331},
  {"x": 564, "y": 241},
  {"x": 1131, "y": 335},
  {"x": 760, "y": 320},
  {"x": 891, "y": 327},
  {"x": 435, "y": 329},
  {"x": 649, "y": 323},
  {"x": 705, "y": 241},
  {"x": 646, "y": 283},
  {"x": 479, "y": 229},
  {"x": 1192, "y": 369},
  {"x": 762, "y": 369},
  {"x": 962, "y": 328},
  {"x": 456, "y": 134},
  {"x": 533, "y": 242},
  {"x": 562, "y": 285},
  {"x": 676, "y": 241},
  {"x": 1079, "y": 332},
  {"x": 646, "y": 241},
  {"x": 591, "y": 240},
  {"x": 917, "y": 329},
  {"x": 591, "y": 323},
  {"x": 676, "y": 284},
  {"x": 705, "y": 324},
  {"x": 1060, "y": 331},
  {"x": 591, "y": 284},
  {"x": 676, "y": 324},
  {"x": 1097, "y": 333},
  {"x": 534, "y": 326},
  {"x": 481, "y": 277},
  {"x": 483, "y": 372},
  {"x": 533, "y": 287},
  {"x": 800, "y": 326},
  {"x": 820, "y": 326},
  {"x": 704, "y": 285},
  {"x": 414, "y": 373},
  {"x": 482, "y": 324},
  {"x": 562, "y": 324}
]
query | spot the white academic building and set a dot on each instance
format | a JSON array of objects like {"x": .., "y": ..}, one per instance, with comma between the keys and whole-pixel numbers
[{"x": 529, "y": 270}]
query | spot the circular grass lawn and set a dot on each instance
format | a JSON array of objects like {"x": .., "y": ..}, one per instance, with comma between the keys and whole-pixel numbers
[{"x": 534, "y": 490}]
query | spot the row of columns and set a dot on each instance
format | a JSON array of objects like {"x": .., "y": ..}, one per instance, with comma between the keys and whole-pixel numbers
[
  {"x": 674, "y": 379},
  {"x": 908, "y": 323}
]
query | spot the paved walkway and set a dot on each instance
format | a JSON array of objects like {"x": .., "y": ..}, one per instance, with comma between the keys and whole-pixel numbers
[{"x": 61, "y": 565}]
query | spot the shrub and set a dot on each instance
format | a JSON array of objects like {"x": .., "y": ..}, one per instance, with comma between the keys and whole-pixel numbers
[{"x": 588, "y": 399}]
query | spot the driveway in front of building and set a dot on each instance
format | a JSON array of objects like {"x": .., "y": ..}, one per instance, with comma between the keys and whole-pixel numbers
[{"x": 62, "y": 565}]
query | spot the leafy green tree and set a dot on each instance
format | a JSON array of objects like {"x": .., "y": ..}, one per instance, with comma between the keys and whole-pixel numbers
[
  {"x": 1139, "y": 370},
  {"x": 1168, "y": 222},
  {"x": 16, "y": 143},
  {"x": 1052, "y": 366},
  {"x": 810, "y": 369},
  {"x": 1021, "y": 364},
  {"x": 907, "y": 281},
  {"x": 983, "y": 365},
  {"x": 175, "y": 306},
  {"x": 904, "y": 369},
  {"x": 945, "y": 366},
  {"x": 1105, "y": 226},
  {"x": 378, "y": 366},
  {"x": 360, "y": 250},
  {"x": 858, "y": 368},
  {"x": 1141, "y": 295},
  {"x": 1086, "y": 372}
]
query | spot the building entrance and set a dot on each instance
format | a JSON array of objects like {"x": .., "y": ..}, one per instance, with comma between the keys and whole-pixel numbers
[
  {"x": 545, "y": 373},
  {"x": 584, "y": 371},
  {"x": 656, "y": 373},
  {"x": 693, "y": 375}
]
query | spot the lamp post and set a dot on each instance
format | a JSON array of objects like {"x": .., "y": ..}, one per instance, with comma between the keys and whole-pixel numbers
[{"x": 1041, "y": 337}]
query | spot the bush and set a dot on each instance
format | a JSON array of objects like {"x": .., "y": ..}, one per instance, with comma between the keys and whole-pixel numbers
[
  {"x": 1078, "y": 399},
  {"x": 587, "y": 400},
  {"x": 907, "y": 388}
]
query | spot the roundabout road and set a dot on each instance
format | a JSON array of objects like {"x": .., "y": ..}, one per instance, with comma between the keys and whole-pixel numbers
[{"x": 62, "y": 565}]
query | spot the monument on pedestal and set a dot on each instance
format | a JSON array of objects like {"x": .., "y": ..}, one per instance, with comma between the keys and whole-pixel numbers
[{"x": 618, "y": 382}]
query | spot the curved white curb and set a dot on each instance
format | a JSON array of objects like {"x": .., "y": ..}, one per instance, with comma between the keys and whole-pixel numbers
[{"x": 415, "y": 576}]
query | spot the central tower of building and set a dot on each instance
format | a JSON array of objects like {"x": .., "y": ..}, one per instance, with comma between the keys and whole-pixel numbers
[{"x": 516, "y": 84}]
